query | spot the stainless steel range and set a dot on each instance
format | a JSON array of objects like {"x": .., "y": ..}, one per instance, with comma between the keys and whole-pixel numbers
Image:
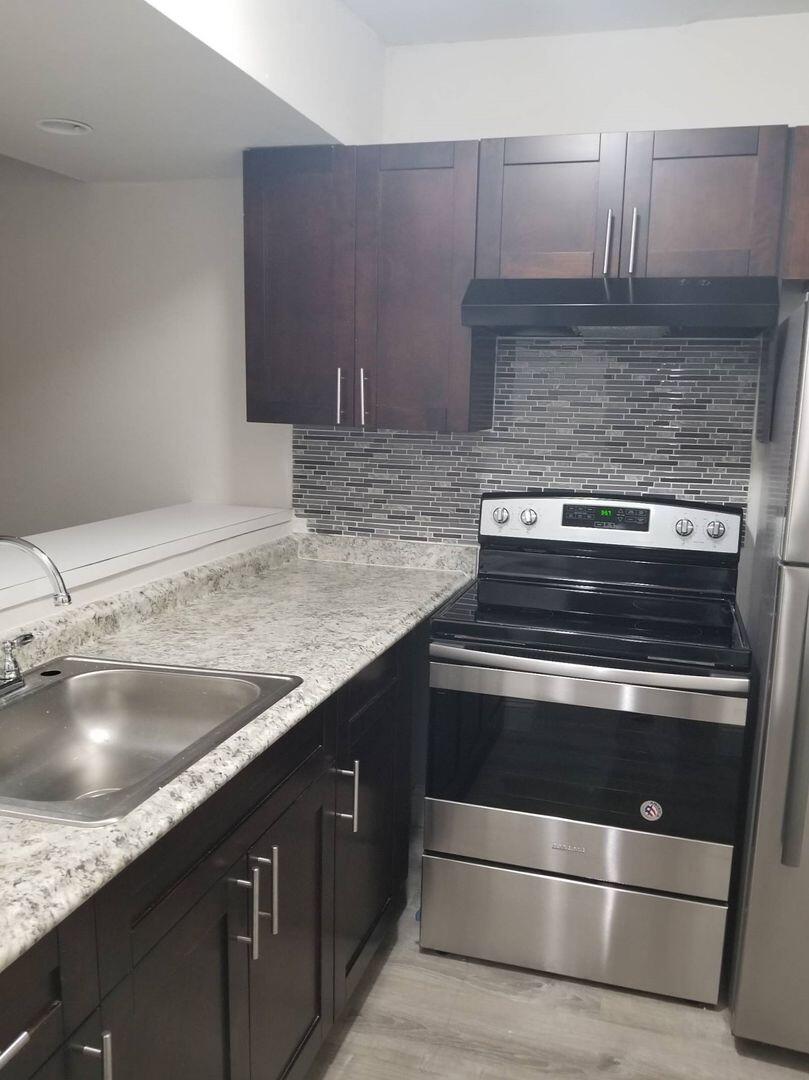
[{"x": 586, "y": 739}]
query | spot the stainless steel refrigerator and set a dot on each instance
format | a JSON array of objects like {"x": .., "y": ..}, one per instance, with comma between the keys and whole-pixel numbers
[{"x": 770, "y": 991}]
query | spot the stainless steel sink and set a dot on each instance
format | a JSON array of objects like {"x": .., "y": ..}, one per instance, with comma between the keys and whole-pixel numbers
[{"x": 87, "y": 740}]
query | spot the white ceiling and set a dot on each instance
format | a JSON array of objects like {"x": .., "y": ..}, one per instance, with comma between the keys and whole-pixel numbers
[
  {"x": 411, "y": 22},
  {"x": 162, "y": 104}
]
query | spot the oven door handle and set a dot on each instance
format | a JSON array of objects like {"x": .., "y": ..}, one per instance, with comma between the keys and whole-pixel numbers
[
  {"x": 727, "y": 709},
  {"x": 672, "y": 680}
]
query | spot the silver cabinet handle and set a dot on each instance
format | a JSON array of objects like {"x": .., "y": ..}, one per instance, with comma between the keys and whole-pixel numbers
[
  {"x": 23, "y": 1039},
  {"x": 354, "y": 816},
  {"x": 254, "y": 884},
  {"x": 14, "y": 1048},
  {"x": 362, "y": 397},
  {"x": 797, "y": 789},
  {"x": 339, "y": 395},
  {"x": 608, "y": 241},
  {"x": 633, "y": 240},
  {"x": 275, "y": 890},
  {"x": 273, "y": 864},
  {"x": 105, "y": 1053}
]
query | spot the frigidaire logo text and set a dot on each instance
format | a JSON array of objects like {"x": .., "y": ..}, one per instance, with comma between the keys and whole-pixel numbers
[{"x": 573, "y": 848}]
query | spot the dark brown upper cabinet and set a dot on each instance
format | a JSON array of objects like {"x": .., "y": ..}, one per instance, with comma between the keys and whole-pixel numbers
[
  {"x": 550, "y": 206},
  {"x": 415, "y": 258},
  {"x": 795, "y": 253},
  {"x": 703, "y": 202},
  {"x": 299, "y": 284}
]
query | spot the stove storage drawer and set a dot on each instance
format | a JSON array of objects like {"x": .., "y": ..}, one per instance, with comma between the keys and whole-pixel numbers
[
  {"x": 558, "y": 845},
  {"x": 642, "y": 941}
]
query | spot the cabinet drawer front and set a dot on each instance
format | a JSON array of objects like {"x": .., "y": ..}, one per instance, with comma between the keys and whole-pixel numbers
[
  {"x": 31, "y": 1011},
  {"x": 659, "y": 944}
]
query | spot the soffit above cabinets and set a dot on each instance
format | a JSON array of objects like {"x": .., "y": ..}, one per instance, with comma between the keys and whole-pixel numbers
[
  {"x": 162, "y": 104},
  {"x": 421, "y": 22}
]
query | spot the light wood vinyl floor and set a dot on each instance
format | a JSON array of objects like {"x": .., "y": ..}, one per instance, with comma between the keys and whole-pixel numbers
[{"x": 426, "y": 1016}]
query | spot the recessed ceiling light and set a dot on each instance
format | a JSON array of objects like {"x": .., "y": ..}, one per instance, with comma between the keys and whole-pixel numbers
[{"x": 57, "y": 126}]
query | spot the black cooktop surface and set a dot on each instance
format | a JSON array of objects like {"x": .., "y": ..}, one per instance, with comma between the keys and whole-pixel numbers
[{"x": 589, "y": 621}]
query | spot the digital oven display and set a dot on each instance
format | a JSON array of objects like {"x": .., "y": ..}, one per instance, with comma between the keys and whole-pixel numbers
[{"x": 629, "y": 518}]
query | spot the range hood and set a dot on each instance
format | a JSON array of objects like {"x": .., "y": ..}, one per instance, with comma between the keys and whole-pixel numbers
[{"x": 623, "y": 307}]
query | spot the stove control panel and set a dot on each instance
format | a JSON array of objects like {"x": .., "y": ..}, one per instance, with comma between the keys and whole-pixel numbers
[{"x": 579, "y": 519}]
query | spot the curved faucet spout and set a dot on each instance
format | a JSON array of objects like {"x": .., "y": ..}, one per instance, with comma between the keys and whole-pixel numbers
[{"x": 60, "y": 594}]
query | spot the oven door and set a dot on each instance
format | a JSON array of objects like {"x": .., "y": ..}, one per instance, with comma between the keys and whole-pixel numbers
[{"x": 595, "y": 774}]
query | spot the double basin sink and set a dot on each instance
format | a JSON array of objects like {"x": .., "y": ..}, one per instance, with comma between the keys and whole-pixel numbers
[{"x": 86, "y": 741}]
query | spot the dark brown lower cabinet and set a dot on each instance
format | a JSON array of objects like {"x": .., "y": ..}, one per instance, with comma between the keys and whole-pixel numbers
[
  {"x": 364, "y": 848},
  {"x": 226, "y": 950},
  {"x": 184, "y": 1012},
  {"x": 291, "y": 978}
]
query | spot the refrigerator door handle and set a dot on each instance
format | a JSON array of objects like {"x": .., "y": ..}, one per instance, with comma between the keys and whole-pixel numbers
[{"x": 797, "y": 789}]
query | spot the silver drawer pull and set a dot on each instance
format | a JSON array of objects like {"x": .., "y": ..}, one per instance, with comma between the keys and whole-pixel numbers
[
  {"x": 354, "y": 816},
  {"x": 339, "y": 396},
  {"x": 105, "y": 1053},
  {"x": 14, "y": 1048},
  {"x": 633, "y": 242},
  {"x": 608, "y": 242},
  {"x": 23, "y": 1039},
  {"x": 273, "y": 864},
  {"x": 254, "y": 884}
]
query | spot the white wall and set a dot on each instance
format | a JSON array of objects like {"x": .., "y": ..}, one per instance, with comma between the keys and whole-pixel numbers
[
  {"x": 726, "y": 72},
  {"x": 122, "y": 352},
  {"x": 316, "y": 55}
]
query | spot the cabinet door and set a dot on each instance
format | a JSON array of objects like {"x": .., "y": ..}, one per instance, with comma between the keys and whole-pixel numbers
[
  {"x": 183, "y": 1009},
  {"x": 548, "y": 206},
  {"x": 703, "y": 202},
  {"x": 795, "y": 250},
  {"x": 365, "y": 847},
  {"x": 299, "y": 284},
  {"x": 415, "y": 258},
  {"x": 291, "y": 977}
]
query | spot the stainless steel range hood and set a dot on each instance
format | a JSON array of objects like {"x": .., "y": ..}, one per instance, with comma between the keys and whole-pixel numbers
[{"x": 623, "y": 307}]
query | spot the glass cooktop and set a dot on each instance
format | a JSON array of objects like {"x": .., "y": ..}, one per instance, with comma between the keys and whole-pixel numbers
[{"x": 593, "y": 621}]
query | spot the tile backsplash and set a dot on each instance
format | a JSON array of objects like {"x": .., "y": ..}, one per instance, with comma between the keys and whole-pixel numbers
[{"x": 671, "y": 417}]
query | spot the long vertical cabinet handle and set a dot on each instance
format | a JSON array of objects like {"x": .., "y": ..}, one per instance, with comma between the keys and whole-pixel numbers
[
  {"x": 354, "y": 816},
  {"x": 105, "y": 1053},
  {"x": 633, "y": 240},
  {"x": 797, "y": 791},
  {"x": 608, "y": 242},
  {"x": 339, "y": 418},
  {"x": 275, "y": 917},
  {"x": 254, "y": 884},
  {"x": 362, "y": 397}
]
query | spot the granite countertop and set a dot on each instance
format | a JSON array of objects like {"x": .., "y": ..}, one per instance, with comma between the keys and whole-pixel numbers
[{"x": 320, "y": 620}]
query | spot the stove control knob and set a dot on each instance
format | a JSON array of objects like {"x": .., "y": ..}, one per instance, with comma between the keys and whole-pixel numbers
[
  {"x": 528, "y": 517},
  {"x": 684, "y": 527},
  {"x": 500, "y": 515},
  {"x": 715, "y": 529}
]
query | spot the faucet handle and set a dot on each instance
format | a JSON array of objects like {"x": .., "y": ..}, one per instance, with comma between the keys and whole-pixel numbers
[
  {"x": 17, "y": 642},
  {"x": 11, "y": 675}
]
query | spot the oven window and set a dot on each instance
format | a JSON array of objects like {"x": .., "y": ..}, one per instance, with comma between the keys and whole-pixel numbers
[{"x": 592, "y": 765}]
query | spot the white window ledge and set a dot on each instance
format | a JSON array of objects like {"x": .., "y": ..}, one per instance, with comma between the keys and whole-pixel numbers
[{"x": 104, "y": 557}]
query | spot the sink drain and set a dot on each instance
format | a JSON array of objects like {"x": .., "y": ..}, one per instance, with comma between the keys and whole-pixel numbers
[{"x": 97, "y": 793}]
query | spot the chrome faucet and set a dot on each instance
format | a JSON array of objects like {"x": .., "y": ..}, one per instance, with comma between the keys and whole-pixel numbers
[
  {"x": 60, "y": 593},
  {"x": 12, "y": 678}
]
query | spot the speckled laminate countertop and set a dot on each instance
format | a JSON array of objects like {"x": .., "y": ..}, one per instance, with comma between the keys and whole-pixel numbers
[{"x": 271, "y": 612}]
